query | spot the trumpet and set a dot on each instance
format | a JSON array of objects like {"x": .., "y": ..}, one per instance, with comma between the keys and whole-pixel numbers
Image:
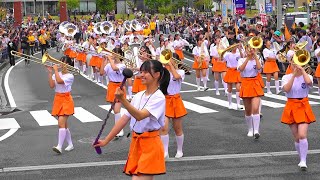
[
  {"x": 46, "y": 60},
  {"x": 129, "y": 63},
  {"x": 166, "y": 56},
  {"x": 302, "y": 58}
]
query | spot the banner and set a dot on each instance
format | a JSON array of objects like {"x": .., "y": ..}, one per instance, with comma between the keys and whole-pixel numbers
[
  {"x": 262, "y": 8},
  {"x": 240, "y": 7},
  {"x": 289, "y": 21},
  {"x": 268, "y": 8},
  {"x": 224, "y": 11}
]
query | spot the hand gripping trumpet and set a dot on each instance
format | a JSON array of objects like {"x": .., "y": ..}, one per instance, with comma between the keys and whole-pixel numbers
[{"x": 46, "y": 60}]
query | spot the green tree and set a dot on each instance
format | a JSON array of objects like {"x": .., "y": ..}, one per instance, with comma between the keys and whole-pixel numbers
[
  {"x": 179, "y": 4},
  {"x": 71, "y": 4},
  {"x": 155, "y": 4},
  {"x": 105, "y": 5},
  {"x": 204, "y": 4},
  {"x": 251, "y": 3}
]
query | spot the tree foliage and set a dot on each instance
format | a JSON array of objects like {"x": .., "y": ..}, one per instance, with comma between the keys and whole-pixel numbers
[
  {"x": 155, "y": 4},
  {"x": 105, "y": 5},
  {"x": 251, "y": 3},
  {"x": 204, "y": 4},
  {"x": 71, "y": 4},
  {"x": 179, "y": 4}
]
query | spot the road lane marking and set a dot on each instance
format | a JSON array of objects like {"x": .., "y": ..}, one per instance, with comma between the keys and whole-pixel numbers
[
  {"x": 197, "y": 108},
  {"x": 44, "y": 118},
  {"x": 283, "y": 98},
  {"x": 216, "y": 101},
  {"x": 170, "y": 160},
  {"x": 8, "y": 123},
  {"x": 313, "y": 96},
  {"x": 84, "y": 115},
  {"x": 107, "y": 107}
]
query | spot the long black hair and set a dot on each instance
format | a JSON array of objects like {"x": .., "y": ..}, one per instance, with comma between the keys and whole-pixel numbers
[{"x": 156, "y": 66}]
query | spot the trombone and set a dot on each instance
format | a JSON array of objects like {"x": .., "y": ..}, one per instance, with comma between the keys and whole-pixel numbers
[
  {"x": 129, "y": 63},
  {"x": 46, "y": 60},
  {"x": 166, "y": 56}
]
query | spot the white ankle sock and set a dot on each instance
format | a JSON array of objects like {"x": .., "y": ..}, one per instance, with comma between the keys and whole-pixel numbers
[
  {"x": 256, "y": 122},
  {"x": 216, "y": 85},
  {"x": 205, "y": 80},
  {"x": 238, "y": 98},
  {"x": 68, "y": 137},
  {"x": 230, "y": 99},
  {"x": 179, "y": 140},
  {"x": 62, "y": 137},
  {"x": 268, "y": 86},
  {"x": 249, "y": 122},
  {"x": 198, "y": 82},
  {"x": 165, "y": 142},
  {"x": 207, "y": 74},
  {"x": 130, "y": 91},
  {"x": 296, "y": 145},
  {"x": 276, "y": 82},
  {"x": 225, "y": 85},
  {"x": 303, "y": 146}
]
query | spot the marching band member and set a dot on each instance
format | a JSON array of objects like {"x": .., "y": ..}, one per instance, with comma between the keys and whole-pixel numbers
[
  {"x": 289, "y": 55},
  {"x": 146, "y": 114},
  {"x": 137, "y": 83},
  {"x": 270, "y": 66},
  {"x": 43, "y": 41},
  {"x": 32, "y": 43},
  {"x": 218, "y": 66},
  {"x": 67, "y": 44},
  {"x": 126, "y": 47},
  {"x": 233, "y": 75},
  {"x": 317, "y": 55},
  {"x": 160, "y": 49},
  {"x": 298, "y": 113},
  {"x": 111, "y": 44},
  {"x": 96, "y": 60},
  {"x": 178, "y": 46},
  {"x": 63, "y": 105},
  {"x": 201, "y": 54},
  {"x": 113, "y": 67},
  {"x": 175, "y": 110},
  {"x": 81, "y": 56},
  {"x": 251, "y": 90}
]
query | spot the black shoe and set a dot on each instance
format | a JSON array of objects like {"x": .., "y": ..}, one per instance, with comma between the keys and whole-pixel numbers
[
  {"x": 256, "y": 136},
  {"x": 205, "y": 89}
]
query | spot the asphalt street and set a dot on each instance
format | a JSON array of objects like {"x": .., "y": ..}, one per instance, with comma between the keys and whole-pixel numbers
[{"x": 215, "y": 147}]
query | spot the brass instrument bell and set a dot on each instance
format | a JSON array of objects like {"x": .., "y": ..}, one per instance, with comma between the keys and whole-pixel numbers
[
  {"x": 301, "y": 57},
  {"x": 255, "y": 42}
]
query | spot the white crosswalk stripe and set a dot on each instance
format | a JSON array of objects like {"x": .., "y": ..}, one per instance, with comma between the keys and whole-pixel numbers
[
  {"x": 283, "y": 98},
  {"x": 216, "y": 101},
  {"x": 84, "y": 115},
  {"x": 8, "y": 123},
  {"x": 197, "y": 108},
  {"x": 44, "y": 118}
]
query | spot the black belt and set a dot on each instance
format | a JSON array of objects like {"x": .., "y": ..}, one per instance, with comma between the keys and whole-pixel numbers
[
  {"x": 250, "y": 77},
  {"x": 147, "y": 131},
  {"x": 296, "y": 98},
  {"x": 115, "y": 82}
]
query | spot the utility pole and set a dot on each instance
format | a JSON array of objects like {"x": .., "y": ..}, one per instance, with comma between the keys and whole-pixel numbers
[{"x": 279, "y": 14}]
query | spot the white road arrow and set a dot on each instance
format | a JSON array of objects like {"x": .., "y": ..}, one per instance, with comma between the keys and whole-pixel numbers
[{"x": 11, "y": 124}]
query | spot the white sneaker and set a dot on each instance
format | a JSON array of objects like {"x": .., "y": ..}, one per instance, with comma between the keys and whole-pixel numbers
[
  {"x": 208, "y": 80},
  {"x": 303, "y": 166},
  {"x": 120, "y": 134},
  {"x": 57, "y": 150},
  {"x": 198, "y": 89},
  {"x": 239, "y": 107},
  {"x": 250, "y": 133},
  {"x": 269, "y": 92},
  {"x": 69, "y": 148},
  {"x": 217, "y": 93},
  {"x": 230, "y": 106},
  {"x": 179, "y": 154},
  {"x": 226, "y": 93},
  {"x": 278, "y": 92},
  {"x": 166, "y": 156}
]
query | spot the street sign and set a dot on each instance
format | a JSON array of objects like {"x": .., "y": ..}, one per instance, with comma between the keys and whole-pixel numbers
[{"x": 268, "y": 7}]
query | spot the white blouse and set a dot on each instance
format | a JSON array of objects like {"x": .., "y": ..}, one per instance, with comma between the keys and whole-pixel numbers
[
  {"x": 250, "y": 70},
  {"x": 175, "y": 84},
  {"x": 67, "y": 79},
  {"x": 299, "y": 88},
  {"x": 114, "y": 76}
]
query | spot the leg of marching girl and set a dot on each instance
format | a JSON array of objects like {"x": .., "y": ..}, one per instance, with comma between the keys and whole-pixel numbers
[
  {"x": 62, "y": 121},
  {"x": 164, "y": 132}
]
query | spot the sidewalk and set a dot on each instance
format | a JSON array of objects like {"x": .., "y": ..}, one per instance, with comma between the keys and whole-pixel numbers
[{"x": 4, "y": 108}]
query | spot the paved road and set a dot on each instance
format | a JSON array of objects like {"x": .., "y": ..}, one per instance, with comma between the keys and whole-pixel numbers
[{"x": 216, "y": 145}]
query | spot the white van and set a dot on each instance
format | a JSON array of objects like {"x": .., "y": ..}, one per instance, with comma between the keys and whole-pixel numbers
[{"x": 299, "y": 17}]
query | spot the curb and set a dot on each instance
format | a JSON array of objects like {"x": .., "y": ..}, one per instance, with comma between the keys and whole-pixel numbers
[{"x": 3, "y": 64}]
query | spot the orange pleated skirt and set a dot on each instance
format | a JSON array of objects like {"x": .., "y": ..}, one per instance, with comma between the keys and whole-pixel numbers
[
  {"x": 317, "y": 73},
  {"x": 174, "y": 106},
  {"x": 251, "y": 87},
  {"x": 112, "y": 87},
  {"x": 218, "y": 66},
  {"x": 146, "y": 155},
  {"x": 72, "y": 54},
  {"x": 67, "y": 52},
  {"x": 95, "y": 61},
  {"x": 232, "y": 76},
  {"x": 297, "y": 111},
  {"x": 197, "y": 66},
  {"x": 270, "y": 66},
  {"x": 289, "y": 69},
  {"x": 63, "y": 105},
  {"x": 82, "y": 57},
  {"x": 180, "y": 54},
  {"x": 137, "y": 85}
]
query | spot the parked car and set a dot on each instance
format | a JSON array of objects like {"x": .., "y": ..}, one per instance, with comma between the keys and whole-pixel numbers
[
  {"x": 290, "y": 5},
  {"x": 299, "y": 17}
]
